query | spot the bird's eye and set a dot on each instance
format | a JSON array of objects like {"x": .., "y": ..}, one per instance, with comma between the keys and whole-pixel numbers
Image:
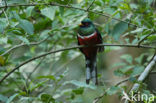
[{"x": 86, "y": 24}]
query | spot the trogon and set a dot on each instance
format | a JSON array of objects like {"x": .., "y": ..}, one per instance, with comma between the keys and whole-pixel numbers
[{"x": 89, "y": 35}]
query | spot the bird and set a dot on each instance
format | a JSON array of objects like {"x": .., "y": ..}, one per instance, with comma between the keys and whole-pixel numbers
[{"x": 89, "y": 35}]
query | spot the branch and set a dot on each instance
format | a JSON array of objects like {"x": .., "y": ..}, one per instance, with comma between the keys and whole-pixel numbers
[
  {"x": 35, "y": 43},
  {"x": 144, "y": 74},
  {"x": 71, "y": 7},
  {"x": 117, "y": 84},
  {"x": 127, "y": 79},
  {"x": 20, "y": 45},
  {"x": 123, "y": 81},
  {"x": 153, "y": 42},
  {"x": 69, "y": 48}
]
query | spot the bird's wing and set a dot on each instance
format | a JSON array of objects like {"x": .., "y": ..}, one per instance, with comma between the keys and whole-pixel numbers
[
  {"x": 101, "y": 49},
  {"x": 79, "y": 44}
]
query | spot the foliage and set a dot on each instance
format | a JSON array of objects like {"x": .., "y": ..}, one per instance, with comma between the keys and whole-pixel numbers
[{"x": 58, "y": 78}]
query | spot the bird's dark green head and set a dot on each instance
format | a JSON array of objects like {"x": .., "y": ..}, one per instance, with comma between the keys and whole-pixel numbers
[{"x": 86, "y": 27}]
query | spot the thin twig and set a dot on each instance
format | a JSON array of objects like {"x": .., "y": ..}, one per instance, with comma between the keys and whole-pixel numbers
[
  {"x": 90, "y": 5},
  {"x": 69, "y": 2},
  {"x": 39, "y": 63},
  {"x": 5, "y": 8},
  {"x": 29, "y": 76},
  {"x": 127, "y": 79},
  {"x": 144, "y": 39},
  {"x": 98, "y": 98},
  {"x": 154, "y": 72},
  {"x": 64, "y": 65},
  {"x": 6, "y": 17},
  {"x": 20, "y": 45},
  {"x": 69, "y": 48},
  {"x": 71, "y": 7}
]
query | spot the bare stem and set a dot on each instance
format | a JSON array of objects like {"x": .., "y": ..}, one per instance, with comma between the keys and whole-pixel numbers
[
  {"x": 71, "y": 7},
  {"x": 20, "y": 45},
  {"x": 69, "y": 48}
]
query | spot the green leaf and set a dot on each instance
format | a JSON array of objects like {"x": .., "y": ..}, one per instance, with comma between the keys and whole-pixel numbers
[
  {"x": 126, "y": 68},
  {"x": 38, "y": 85},
  {"x": 118, "y": 73},
  {"x": 55, "y": 25},
  {"x": 137, "y": 30},
  {"x": 4, "y": 40},
  {"x": 12, "y": 98},
  {"x": 3, "y": 24},
  {"x": 2, "y": 50},
  {"x": 61, "y": 9},
  {"x": 119, "y": 29},
  {"x": 16, "y": 1},
  {"x": 49, "y": 12},
  {"x": 27, "y": 26},
  {"x": 15, "y": 15},
  {"x": 152, "y": 37},
  {"x": 112, "y": 90},
  {"x": 99, "y": 2},
  {"x": 128, "y": 58},
  {"x": 79, "y": 84},
  {"x": 29, "y": 11},
  {"x": 140, "y": 58},
  {"x": 78, "y": 91},
  {"x": 137, "y": 70},
  {"x": 133, "y": 79},
  {"x": 133, "y": 6},
  {"x": 150, "y": 2},
  {"x": 3, "y": 98},
  {"x": 48, "y": 77},
  {"x": 118, "y": 64},
  {"x": 25, "y": 40},
  {"x": 46, "y": 98},
  {"x": 2, "y": 61},
  {"x": 25, "y": 99}
]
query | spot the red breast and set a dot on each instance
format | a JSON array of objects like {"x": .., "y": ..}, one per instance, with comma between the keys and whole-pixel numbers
[{"x": 89, "y": 40}]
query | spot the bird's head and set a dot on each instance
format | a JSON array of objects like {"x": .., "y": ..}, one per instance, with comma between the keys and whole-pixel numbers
[
  {"x": 86, "y": 23},
  {"x": 86, "y": 27}
]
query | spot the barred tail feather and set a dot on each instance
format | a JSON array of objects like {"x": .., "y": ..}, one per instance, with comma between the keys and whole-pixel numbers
[
  {"x": 91, "y": 70},
  {"x": 88, "y": 71},
  {"x": 94, "y": 74}
]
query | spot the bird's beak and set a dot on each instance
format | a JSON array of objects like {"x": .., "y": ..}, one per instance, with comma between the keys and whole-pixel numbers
[{"x": 80, "y": 24}]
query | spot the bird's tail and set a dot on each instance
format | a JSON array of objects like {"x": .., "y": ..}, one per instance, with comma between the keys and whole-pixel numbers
[{"x": 91, "y": 70}]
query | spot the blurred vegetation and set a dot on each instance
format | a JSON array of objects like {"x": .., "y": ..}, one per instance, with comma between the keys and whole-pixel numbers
[{"x": 60, "y": 77}]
